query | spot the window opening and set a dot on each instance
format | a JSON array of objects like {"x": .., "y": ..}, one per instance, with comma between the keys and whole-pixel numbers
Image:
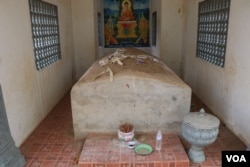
[
  {"x": 154, "y": 28},
  {"x": 45, "y": 33},
  {"x": 99, "y": 29},
  {"x": 212, "y": 31}
]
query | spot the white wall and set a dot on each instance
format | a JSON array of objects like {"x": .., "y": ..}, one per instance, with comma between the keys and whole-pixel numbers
[
  {"x": 225, "y": 90},
  {"x": 84, "y": 30},
  {"x": 171, "y": 23},
  {"x": 29, "y": 94}
]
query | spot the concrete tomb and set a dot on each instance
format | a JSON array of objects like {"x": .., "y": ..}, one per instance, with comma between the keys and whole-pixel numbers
[{"x": 129, "y": 85}]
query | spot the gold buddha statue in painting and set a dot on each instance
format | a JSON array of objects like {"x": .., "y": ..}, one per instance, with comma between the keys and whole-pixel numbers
[
  {"x": 127, "y": 20},
  {"x": 126, "y": 11}
]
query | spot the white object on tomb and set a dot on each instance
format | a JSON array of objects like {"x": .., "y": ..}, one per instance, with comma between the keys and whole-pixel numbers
[{"x": 149, "y": 95}]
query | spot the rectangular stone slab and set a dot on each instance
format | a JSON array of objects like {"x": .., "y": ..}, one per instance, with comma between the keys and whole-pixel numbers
[{"x": 144, "y": 92}]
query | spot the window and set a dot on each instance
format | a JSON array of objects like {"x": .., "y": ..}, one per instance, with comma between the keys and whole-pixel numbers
[
  {"x": 45, "y": 33},
  {"x": 99, "y": 19},
  {"x": 154, "y": 28},
  {"x": 212, "y": 31}
]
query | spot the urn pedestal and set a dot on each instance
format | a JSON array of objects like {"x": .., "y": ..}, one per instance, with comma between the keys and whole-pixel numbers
[{"x": 199, "y": 129}]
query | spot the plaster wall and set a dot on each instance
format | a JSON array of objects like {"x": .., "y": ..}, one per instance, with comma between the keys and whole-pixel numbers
[
  {"x": 29, "y": 94},
  {"x": 171, "y": 23},
  {"x": 84, "y": 30},
  {"x": 225, "y": 90}
]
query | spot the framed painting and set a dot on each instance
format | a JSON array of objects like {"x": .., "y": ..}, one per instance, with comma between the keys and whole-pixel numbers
[{"x": 126, "y": 23}]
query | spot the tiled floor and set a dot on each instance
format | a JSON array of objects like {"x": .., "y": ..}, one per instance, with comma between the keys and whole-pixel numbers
[{"x": 52, "y": 143}]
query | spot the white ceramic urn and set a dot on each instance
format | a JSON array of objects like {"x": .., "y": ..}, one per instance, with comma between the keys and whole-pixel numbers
[{"x": 199, "y": 129}]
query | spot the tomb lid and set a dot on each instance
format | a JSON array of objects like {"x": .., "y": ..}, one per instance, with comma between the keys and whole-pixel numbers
[{"x": 201, "y": 120}]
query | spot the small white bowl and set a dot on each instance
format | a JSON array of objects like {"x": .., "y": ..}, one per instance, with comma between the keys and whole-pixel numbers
[{"x": 131, "y": 144}]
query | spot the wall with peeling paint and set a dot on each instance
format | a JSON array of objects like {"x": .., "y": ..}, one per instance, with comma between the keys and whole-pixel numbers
[
  {"x": 29, "y": 94},
  {"x": 225, "y": 90}
]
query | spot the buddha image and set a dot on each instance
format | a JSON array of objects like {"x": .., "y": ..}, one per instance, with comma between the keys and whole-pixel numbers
[{"x": 126, "y": 11}]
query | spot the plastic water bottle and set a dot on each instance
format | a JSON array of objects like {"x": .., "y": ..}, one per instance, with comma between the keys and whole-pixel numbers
[{"x": 158, "y": 140}]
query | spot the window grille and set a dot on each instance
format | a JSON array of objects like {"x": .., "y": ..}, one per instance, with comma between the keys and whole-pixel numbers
[
  {"x": 45, "y": 33},
  {"x": 212, "y": 31}
]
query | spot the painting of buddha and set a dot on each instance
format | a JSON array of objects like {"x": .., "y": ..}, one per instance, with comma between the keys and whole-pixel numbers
[
  {"x": 126, "y": 11},
  {"x": 126, "y": 23}
]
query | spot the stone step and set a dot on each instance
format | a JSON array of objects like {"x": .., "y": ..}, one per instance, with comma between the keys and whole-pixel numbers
[{"x": 105, "y": 150}]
